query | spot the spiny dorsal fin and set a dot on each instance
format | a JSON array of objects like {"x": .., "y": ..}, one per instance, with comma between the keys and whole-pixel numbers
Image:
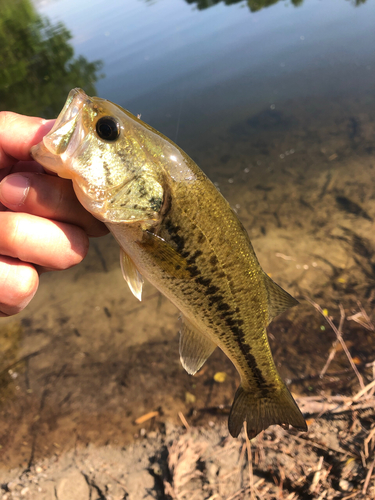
[
  {"x": 195, "y": 347},
  {"x": 278, "y": 299},
  {"x": 131, "y": 275}
]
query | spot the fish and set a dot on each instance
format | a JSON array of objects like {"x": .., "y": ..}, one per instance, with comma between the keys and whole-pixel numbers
[{"x": 175, "y": 229}]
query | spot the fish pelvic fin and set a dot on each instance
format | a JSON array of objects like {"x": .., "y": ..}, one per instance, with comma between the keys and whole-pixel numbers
[
  {"x": 259, "y": 413},
  {"x": 131, "y": 275},
  {"x": 195, "y": 347},
  {"x": 278, "y": 299}
]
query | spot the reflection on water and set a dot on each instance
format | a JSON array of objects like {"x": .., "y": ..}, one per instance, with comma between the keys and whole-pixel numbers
[
  {"x": 37, "y": 63},
  {"x": 277, "y": 107},
  {"x": 254, "y": 5}
]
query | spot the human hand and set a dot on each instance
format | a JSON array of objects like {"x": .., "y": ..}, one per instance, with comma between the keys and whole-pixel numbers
[{"x": 43, "y": 226}]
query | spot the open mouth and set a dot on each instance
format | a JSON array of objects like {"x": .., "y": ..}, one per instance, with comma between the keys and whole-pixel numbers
[
  {"x": 65, "y": 136},
  {"x": 72, "y": 107}
]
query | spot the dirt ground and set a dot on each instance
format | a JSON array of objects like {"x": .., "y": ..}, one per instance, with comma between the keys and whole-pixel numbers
[{"x": 333, "y": 460}]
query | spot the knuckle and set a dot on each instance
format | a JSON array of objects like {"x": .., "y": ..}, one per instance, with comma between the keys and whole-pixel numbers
[
  {"x": 18, "y": 284},
  {"x": 68, "y": 247},
  {"x": 80, "y": 245},
  {"x": 13, "y": 237},
  {"x": 27, "y": 284},
  {"x": 56, "y": 198}
]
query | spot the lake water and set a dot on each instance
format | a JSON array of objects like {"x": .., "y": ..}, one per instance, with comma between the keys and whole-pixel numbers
[{"x": 275, "y": 101}]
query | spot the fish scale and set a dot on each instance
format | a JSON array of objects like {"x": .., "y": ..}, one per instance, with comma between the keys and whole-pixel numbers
[
  {"x": 241, "y": 278},
  {"x": 175, "y": 229}
]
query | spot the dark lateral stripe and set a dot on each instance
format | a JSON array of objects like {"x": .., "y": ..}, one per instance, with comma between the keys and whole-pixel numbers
[
  {"x": 260, "y": 381},
  {"x": 203, "y": 281},
  {"x": 193, "y": 270},
  {"x": 193, "y": 258},
  {"x": 215, "y": 299},
  {"x": 227, "y": 315}
]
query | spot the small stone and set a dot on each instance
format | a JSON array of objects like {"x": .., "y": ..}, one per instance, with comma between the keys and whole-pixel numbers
[
  {"x": 73, "y": 485},
  {"x": 12, "y": 486},
  {"x": 345, "y": 485},
  {"x": 212, "y": 472}
]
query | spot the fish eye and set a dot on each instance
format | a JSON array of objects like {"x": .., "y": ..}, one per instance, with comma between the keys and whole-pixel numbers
[{"x": 108, "y": 128}]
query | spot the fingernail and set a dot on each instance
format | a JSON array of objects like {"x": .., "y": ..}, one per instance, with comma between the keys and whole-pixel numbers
[
  {"x": 14, "y": 189},
  {"x": 48, "y": 124}
]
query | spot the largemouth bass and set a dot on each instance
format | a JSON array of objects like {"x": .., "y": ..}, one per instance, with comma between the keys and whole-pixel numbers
[{"x": 177, "y": 230}]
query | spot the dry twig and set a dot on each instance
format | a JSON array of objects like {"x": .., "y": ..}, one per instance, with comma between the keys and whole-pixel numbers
[
  {"x": 367, "y": 440},
  {"x": 339, "y": 337},
  {"x": 364, "y": 390},
  {"x": 250, "y": 460},
  {"x": 332, "y": 354},
  {"x": 368, "y": 477},
  {"x": 147, "y": 416},
  {"x": 183, "y": 420},
  {"x": 315, "y": 481},
  {"x": 362, "y": 318}
]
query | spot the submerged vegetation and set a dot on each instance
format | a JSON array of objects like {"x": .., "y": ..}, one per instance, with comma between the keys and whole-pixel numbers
[{"x": 37, "y": 63}]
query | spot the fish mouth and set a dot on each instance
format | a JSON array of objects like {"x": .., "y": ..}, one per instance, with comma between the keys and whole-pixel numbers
[{"x": 65, "y": 136}]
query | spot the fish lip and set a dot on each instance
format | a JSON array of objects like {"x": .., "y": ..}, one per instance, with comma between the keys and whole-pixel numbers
[
  {"x": 73, "y": 106},
  {"x": 64, "y": 137}
]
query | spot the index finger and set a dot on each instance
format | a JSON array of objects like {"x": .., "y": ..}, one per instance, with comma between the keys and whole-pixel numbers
[{"x": 17, "y": 134}]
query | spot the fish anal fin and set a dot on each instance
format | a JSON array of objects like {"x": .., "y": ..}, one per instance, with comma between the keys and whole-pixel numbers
[
  {"x": 165, "y": 256},
  {"x": 195, "y": 347},
  {"x": 278, "y": 299},
  {"x": 131, "y": 275},
  {"x": 259, "y": 413}
]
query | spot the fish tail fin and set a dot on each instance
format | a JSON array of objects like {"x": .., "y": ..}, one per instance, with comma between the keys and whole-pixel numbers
[{"x": 259, "y": 413}]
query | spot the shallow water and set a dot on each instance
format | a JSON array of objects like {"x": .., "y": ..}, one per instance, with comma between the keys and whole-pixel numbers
[{"x": 277, "y": 106}]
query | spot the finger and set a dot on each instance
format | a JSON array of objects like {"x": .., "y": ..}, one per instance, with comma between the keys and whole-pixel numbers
[
  {"x": 43, "y": 242},
  {"x": 50, "y": 197},
  {"x": 21, "y": 166},
  {"x": 17, "y": 134},
  {"x": 18, "y": 284}
]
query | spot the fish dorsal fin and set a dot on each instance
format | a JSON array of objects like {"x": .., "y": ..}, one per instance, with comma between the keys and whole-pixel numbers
[
  {"x": 165, "y": 256},
  {"x": 195, "y": 347},
  {"x": 131, "y": 275},
  {"x": 278, "y": 299}
]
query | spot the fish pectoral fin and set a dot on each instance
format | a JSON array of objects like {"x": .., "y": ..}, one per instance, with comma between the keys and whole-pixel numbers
[
  {"x": 131, "y": 275},
  {"x": 261, "y": 412},
  {"x": 278, "y": 299},
  {"x": 195, "y": 347},
  {"x": 165, "y": 256}
]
